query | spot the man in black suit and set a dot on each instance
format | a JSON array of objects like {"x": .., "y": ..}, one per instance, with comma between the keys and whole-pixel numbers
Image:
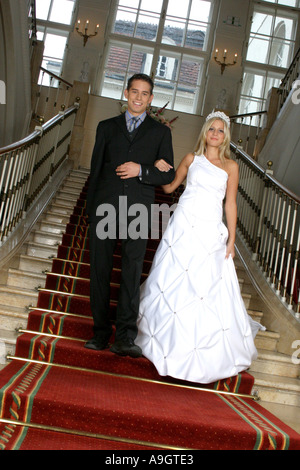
[{"x": 122, "y": 169}]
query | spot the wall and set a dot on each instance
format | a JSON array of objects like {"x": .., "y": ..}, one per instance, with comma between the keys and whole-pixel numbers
[
  {"x": 282, "y": 146},
  {"x": 14, "y": 51}
]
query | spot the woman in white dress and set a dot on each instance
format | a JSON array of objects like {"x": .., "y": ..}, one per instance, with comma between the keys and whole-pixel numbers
[{"x": 192, "y": 322}]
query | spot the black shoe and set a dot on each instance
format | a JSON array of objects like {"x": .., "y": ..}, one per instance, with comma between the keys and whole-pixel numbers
[
  {"x": 126, "y": 348},
  {"x": 97, "y": 344}
]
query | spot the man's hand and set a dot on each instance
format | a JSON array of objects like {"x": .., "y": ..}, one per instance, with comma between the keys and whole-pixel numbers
[
  {"x": 128, "y": 170},
  {"x": 162, "y": 165}
]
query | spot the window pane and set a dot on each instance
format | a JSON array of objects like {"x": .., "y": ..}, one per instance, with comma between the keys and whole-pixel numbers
[
  {"x": 248, "y": 105},
  {"x": 173, "y": 32},
  {"x": 190, "y": 72},
  {"x": 55, "y": 46},
  {"x": 131, "y": 3},
  {"x": 147, "y": 27},
  {"x": 167, "y": 66},
  {"x": 258, "y": 50},
  {"x": 284, "y": 28},
  {"x": 195, "y": 36},
  {"x": 42, "y": 9},
  {"x": 125, "y": 22},
  {"x": 179, "y": 9},
  {"x": 186, "y": 99},
  {"x": 200, "y": 10},
  {"x": 151, "y": 5},
  {"x": 262, "y": 23},
  {"x": 163, "y": 93},
  {"x": 253, "y": 85},
  {"x": 280, "y": 53},
  {"x": 290, "y": 3},
  {"x": 62, "y": 11},
  {"x": 140, "y": 62}
]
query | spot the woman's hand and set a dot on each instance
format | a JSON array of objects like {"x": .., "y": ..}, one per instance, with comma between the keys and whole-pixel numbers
[
  {"x": 162, "y": 165},
  {"x": 230, "y": 250}
]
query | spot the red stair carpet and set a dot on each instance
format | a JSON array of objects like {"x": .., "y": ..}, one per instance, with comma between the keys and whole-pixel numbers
[{"x": 57, "y": 395}]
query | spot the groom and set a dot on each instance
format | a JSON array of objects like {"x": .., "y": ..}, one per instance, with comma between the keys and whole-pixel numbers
[{"x": 122, "y": 164}]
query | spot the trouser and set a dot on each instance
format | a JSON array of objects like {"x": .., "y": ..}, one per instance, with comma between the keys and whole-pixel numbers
[{"x": 101, "y": 261}]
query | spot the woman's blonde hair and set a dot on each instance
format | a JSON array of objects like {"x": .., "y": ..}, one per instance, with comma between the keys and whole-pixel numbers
[{"x": 224, "y": 149}]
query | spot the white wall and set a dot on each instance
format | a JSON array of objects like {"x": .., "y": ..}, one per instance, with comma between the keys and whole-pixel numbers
[
  {"x": 14, "y": 49},
  {"x": 282, "y": 146}
]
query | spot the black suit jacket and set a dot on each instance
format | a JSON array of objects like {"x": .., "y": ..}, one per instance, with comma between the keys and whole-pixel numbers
[{"x": 113, "y": 147}]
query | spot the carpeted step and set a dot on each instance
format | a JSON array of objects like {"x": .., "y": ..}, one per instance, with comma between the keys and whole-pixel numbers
[
  {"x": 71, "y": 352},
  {"x": 140, "y": 410},
  {"x": 47, "y": 439}
]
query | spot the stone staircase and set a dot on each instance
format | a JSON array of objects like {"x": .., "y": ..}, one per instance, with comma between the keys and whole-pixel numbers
[
  {"x": 276, "y": 377},
  {"x": 19, "y": 282}
]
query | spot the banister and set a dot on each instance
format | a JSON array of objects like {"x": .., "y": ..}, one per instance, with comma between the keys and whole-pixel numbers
[
  {"x": 261, "y": 170},
  {"x": 57, "y": 77},
  {"x": 37, "y": 133}
]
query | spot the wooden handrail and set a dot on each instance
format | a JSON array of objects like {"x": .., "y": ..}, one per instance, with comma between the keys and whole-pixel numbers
[
  {"x": 261, "y": 170},
  {"x": 37, "y": 133},
  {"x": 247, "y": 114},
  {"x": 56, "y": 77}
]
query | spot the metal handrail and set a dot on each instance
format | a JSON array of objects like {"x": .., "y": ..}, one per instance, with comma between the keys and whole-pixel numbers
[
  {"x": 27, "y": 166},
  {"x": 268, "y": 221}
]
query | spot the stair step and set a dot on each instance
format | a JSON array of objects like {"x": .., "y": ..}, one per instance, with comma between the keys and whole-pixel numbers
[
  {"x": 51, "y": 239},
  {"x": 277, "y": 389},
  {"x": 27, "y": 279},
  {"x": 34, "y": 264},
  {"x": 17, "y": 297},
  {"x": 57, "y": 228},
  {"x": 267, "y": 340},
  {"x": 56, "y": 217},
  {"x": 41, "y": 250},
  {"x": 257, "y": 315},
  {"x": 60, "y": 208},
  {"x": 62, "y": 202},
  {"x": 273, "y": 362},
  {"x": 13, "y": 317},
  {"x": 9, "y": 338}
]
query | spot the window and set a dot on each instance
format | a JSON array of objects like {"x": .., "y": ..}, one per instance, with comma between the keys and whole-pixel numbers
[
  {"x": 54, "y": 18},
  {"x": 166, "y": 39},
  {"x": 270, "y": 51}
]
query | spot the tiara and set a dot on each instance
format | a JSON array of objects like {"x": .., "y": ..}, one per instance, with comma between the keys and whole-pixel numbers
[{"x": 220, "y": 115}]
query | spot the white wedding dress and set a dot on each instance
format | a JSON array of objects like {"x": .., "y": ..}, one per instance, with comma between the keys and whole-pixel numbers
[{"x": 192, "y": 323}]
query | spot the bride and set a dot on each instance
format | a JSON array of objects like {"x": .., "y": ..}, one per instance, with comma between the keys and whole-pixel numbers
[{"x": 192, "y": 321}]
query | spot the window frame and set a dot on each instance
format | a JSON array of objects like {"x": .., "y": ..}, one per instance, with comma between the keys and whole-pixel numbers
[
  {"x": 249, "y": 66},
  {"x": 201, "y": 56},
  {"x": 46, "y": 26}
]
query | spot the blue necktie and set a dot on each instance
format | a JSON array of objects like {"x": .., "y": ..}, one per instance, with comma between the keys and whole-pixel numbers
[{"x": 132, "y": 124}]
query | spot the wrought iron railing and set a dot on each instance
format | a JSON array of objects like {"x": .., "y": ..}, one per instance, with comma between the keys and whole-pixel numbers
[
  {"x": 268, "y": 221},
  {"x": 28, "y": 166}
]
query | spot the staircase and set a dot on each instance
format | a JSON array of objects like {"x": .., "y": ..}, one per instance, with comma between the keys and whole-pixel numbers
[{"x": 276, "y": 377}]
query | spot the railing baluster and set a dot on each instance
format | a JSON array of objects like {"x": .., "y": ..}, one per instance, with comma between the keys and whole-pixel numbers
[
  {"x": 268, "y": 219},
  {"x": 26, "y": 167}
]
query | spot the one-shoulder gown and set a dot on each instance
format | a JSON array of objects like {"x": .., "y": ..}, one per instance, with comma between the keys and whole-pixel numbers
[{"x": 192, "y": 323}]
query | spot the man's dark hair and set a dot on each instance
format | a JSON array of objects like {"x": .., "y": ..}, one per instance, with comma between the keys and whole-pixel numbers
[{"x": 141, "y": 76}]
